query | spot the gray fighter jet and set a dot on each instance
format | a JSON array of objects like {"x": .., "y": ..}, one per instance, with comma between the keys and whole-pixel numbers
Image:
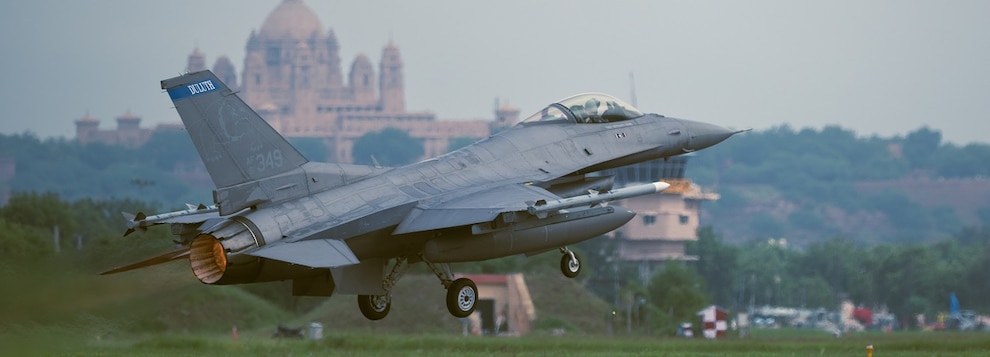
[{"x": 350, "y": 229}]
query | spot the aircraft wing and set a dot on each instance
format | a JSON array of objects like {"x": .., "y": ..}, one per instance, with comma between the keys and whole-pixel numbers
[
  {"x": 328, "y": 248},
  {"x": 472, "y": 208},
  {"x": 324, "y": 245},
  {"x": 318, "y": 253}
]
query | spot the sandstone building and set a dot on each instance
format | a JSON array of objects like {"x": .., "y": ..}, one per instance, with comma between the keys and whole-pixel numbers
[
  {"x": 128, "y": 133},
  {"x": 293, "y": 77},
  {"x": 665, "y": 221}
]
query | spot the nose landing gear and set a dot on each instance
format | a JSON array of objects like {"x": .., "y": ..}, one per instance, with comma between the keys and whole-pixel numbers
[{"x": 570, "y": 263}]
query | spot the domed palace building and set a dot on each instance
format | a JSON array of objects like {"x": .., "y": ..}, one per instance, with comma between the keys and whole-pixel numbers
[{"x": 293, "y": 78}]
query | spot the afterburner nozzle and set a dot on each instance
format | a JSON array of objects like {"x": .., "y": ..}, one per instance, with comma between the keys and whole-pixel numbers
[{"x": 207, "y": 258}]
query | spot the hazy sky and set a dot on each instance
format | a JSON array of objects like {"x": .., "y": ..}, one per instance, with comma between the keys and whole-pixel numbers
[{"x": 877, "y": 67}]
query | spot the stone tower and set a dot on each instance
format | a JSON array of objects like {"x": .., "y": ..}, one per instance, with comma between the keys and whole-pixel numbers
[
  {"x": 87, "y": 129},
  {"x": 224, "y": 69},
  {"x": 391, "y": 86},
  {"x": 196, "y": 61}
]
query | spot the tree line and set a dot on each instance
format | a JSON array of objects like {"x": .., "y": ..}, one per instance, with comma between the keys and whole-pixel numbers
[
  {"x": 160, "y": 170},
  {"x": 906, "y": 279},
  {"x": 802, "y": 184}
]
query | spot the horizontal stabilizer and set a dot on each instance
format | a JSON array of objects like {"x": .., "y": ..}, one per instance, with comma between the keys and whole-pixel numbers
[
  {"x": 164, "y": 258},
  {"x": 320, "y": 253}
]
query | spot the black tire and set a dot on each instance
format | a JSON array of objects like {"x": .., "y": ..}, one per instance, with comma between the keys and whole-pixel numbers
[
  {"x": 569, "y": 268},
  {"x": 462, "y": 297},
  {"x": 374, "y": 307}
]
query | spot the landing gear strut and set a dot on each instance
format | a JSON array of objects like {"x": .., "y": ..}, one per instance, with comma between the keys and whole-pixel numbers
[
  {"x": 462, "y": 294},
  {"x": 570, "y": 263},
  {"x": 376, "y": 307}
]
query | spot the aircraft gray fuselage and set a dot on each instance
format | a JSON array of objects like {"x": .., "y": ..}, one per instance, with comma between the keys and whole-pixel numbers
[
  {"x": 537, "y": 152},
  {"x": 336, "y": 228}
]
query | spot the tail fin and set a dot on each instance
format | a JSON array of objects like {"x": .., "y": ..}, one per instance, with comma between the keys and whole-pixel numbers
[{"x": 235, "y": 143}]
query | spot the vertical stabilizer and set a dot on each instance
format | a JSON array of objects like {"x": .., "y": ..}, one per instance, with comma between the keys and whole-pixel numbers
[{"x": 235, "y": 143}]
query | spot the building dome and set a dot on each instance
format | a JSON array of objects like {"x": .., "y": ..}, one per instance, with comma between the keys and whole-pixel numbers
[
  {"x": 128, "y": 117},
  {"x": 291, "y": 20},
  {"x": 87, "y": 119}
]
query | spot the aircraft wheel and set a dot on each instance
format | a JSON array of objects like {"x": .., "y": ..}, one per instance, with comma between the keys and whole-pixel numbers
[
  {"x": 374, "y": 307},
  {"x": 462, "y": 294},
  {"x": 570, "y": 267}
]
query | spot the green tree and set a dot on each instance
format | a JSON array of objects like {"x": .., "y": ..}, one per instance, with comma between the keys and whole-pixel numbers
[
  {"x": 40, "y": 210},
  {"x": 975, "y": 290},
  {"x": 965, "y": 162},
  {"x": 312, "y": 148},
  {"x": 676, "y": 294},
  {"x": 167, "y": 148},
  {"x": 920, "y": 145},
  {"x": 602, "y": 272},
  {"x": 391, "y": 147},
  {"x": 459, "y": 142},
  {"x": 20, "y": 240},
  {"x": 765, "y": 268},
  {"x": 914, "y": 271},
  {"x": 717, "y": 264},
  {"x": 839, "y": 262},
  {"x": 814, "y": 292}
]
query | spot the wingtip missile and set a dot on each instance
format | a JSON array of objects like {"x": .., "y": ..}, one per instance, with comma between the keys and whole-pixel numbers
[
  {"x": 133, "y": 220},
  {"x": 541, "y": 208}
]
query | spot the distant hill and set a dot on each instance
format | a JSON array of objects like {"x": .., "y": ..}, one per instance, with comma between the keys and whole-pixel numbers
[
  {"x": 811, "y": 185},
  {"x": 888, "y": 211},
  {"x": 969, "y": 198}
]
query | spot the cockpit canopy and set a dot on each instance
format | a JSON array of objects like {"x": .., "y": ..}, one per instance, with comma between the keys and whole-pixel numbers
[{"x": 585, "y": 109}]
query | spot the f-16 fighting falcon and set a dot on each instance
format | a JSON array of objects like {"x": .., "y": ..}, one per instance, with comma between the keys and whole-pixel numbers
[{"x": 352, "y": 229}]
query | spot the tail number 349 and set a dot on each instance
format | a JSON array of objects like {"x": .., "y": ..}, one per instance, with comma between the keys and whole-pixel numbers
[{"x": 265, "y": 161}]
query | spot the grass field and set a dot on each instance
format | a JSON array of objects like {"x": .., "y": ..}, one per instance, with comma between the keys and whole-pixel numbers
[
  {"x": 61, "y": 341},
  {"x": 53, "y": 309}
]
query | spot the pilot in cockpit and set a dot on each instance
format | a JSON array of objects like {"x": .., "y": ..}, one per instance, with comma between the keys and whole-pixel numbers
[
  {"x": 586, "y": 108},
  {"x": 593, "y": 111},
  {"x": 589, "y": 112}
]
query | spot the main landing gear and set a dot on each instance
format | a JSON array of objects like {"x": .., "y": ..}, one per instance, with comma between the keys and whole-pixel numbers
[
  {"x": 462, "y": 293},
  {"x": 570, "y": 263},
  {"x": 376, "y": 307}
]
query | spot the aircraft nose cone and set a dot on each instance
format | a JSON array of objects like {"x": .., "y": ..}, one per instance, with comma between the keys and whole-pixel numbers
[{"x": 703, "y": 135}]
